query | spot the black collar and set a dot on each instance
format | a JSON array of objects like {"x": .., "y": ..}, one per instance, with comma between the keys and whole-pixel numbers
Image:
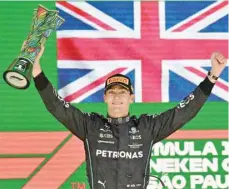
[{"x": 119, "y": 120}]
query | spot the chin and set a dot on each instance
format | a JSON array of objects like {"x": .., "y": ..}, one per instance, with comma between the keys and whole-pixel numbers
[{"x": 117, "y": 109}]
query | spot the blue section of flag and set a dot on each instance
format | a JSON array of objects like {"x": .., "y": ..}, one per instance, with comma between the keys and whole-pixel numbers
[
  {"x": 177, "y": 11},
  {"x": 131, "y": 75},
  {"x": 67, "y": 76},
  {"x": 220, "y": 25},
  {"x": 179, "y": 88},
  {"x": 72, "y": 23},
  {"x": 117, "y": 10},
  {"x": 224, "y": 74},
  {"x": 95, "y": 97}
]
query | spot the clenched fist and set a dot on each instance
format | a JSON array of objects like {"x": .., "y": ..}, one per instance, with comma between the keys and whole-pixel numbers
[
  {"x": 218, "y": 62},
  {"x": 36, "y": 66}
]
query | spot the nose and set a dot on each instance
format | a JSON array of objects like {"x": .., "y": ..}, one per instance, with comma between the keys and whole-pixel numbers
[{"x": 117, "y": 95}]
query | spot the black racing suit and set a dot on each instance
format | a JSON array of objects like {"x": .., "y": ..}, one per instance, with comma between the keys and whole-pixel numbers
[{"x": 118, "y": 150}]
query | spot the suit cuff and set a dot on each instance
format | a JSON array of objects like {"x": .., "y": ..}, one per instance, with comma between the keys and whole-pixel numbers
[
  {"x": 206, "y": 86},
  {"x": 41, "y": 82}
]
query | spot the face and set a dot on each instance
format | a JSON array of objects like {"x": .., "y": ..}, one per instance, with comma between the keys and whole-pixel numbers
[{"x": 118, "y": 100}]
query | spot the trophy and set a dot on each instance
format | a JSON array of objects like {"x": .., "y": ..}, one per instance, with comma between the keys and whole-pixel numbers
[{"x": 44, "y": 21}]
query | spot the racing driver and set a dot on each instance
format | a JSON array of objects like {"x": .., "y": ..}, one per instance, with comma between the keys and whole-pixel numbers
[{"x": 118, "y": 146}]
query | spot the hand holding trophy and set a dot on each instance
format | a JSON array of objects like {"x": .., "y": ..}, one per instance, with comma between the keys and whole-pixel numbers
[{"x": 44, "y": 22}]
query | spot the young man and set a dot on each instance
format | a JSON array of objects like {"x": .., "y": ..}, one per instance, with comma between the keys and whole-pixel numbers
[{"x": 118, "y": 147}]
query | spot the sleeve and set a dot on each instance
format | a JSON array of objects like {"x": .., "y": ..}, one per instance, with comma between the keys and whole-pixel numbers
[
  {"x": 173, "y": 119},
  {"x": 72, "y": 118}
]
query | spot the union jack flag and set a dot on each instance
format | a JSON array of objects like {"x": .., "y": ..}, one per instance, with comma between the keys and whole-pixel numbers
[{"x": 164, "y": 47}]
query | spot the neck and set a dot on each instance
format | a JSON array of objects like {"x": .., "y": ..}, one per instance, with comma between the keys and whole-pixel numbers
[{"x": 117, "y": 115}]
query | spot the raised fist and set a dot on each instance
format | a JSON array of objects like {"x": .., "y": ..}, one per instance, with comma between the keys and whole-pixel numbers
[{"x": 218, "y": 62}]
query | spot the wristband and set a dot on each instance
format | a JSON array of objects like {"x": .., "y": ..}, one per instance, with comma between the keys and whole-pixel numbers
[{"x": 212, "y": 76}]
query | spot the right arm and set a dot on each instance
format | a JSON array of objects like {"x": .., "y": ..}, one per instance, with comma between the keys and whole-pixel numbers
[{"x": 71, "y": 117}]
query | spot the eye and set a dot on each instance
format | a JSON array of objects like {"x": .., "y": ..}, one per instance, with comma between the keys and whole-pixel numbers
[
  {"x": 110, "y": 92},
  {"x": 123, "y": 92}
]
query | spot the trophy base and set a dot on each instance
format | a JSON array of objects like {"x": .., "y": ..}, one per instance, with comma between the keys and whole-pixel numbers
[
  {"x": 16, "y": 80},
  {"x": 18, "y": 73}
]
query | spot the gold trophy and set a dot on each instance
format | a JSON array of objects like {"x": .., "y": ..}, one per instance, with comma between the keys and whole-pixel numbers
[{"x": 44, "y": 21}]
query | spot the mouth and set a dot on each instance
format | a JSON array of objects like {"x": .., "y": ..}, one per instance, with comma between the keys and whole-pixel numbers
[{"x": 117, "y": 104}]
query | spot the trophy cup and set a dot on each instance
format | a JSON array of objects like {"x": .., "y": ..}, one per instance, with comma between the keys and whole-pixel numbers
[{"x": 44, "y": 21}]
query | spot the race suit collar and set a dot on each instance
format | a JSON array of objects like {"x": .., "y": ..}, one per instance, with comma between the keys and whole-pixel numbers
[{"x": 118, "y": 120}]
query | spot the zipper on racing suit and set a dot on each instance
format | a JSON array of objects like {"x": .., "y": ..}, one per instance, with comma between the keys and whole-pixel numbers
[{"x": 90, "y": 163}]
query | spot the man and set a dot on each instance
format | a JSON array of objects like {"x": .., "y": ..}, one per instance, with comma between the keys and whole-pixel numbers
[{"x": 118, "y": 147}]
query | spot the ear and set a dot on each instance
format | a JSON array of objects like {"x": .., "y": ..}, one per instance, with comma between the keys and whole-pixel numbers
[
  {"x": 132, "y": 98},
  {"x": 105, "y": 98}
]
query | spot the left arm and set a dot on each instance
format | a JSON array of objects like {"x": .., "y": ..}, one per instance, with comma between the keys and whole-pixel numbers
[
  {"x": 170, "y": 121},
  {"x": 173, "y": 119}
]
